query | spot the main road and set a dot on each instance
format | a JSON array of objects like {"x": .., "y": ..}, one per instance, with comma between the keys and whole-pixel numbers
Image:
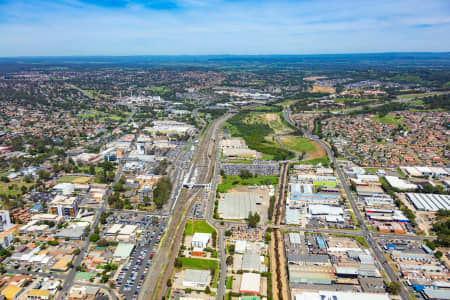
[{"x": 365, "y": 232}]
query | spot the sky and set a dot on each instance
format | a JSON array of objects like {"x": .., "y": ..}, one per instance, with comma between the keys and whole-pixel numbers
[{"x": 196, "y": 27}]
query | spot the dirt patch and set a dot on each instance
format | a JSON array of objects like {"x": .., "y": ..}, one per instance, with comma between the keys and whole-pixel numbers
[
  {"x": 272, "y": 117},
  {"x": 318, "y": 153},
  {"x": 314, "y": 78},
  {"x": 323, "y": 89}
]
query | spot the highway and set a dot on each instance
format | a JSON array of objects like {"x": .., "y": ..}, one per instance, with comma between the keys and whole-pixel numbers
[{"x": 364, "y": 230}]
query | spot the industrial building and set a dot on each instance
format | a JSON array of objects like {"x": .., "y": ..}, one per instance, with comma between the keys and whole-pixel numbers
[
  {"x": 196, "y": 278},
  {"x": 200, "y": 240},
  {"x": 238, "y": 205},
  {"x": 429, "y": 202},
  {"x": 250, "y": 283},
  {"x": 335, "y": 295},
  {"x": 400, "y": 184}
]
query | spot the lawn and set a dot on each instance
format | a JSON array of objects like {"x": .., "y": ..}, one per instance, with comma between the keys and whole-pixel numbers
[
  {"x": 199, "y": 226},
  {"x": 74, "y": 179},
  {"x": 412, "y": 96},
  {"x": 323, "y": 160},
  {"x": 241, "y": 161},
  {"x": 231, "y": 181},
  {"x": 199, "y": 263},
  {"x": 388, "y": 119},
  {"x": 229, "y": 284},
  {"x": 354, "y": 100},
  {"x": 299, "y": 144}
]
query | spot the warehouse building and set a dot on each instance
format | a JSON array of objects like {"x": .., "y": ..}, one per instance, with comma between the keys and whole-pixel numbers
[
  {"x": 429, "y": 202},
  {"x": 400, "y": 184},
  {"x": 200, "y": 240},
  {"x": 250, "y": 283},
  {"x": 335, "y": 295},
  {"x": 238, "y": 205},
  {"x": 253, "y": 262},
  {"x": 123, "y": 251},
  {"x": 196, "y": 278}
]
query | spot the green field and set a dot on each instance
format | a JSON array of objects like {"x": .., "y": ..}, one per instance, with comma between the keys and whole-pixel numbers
[
  {"x": 323, "y": 160},
  {"x": 388, "y": 119},
  {"x": 229, "y": 284},
  {"x": 241, "y": 161},
  {"x": 299, "y": 144},
  {"x": 199, "y": 226},
  {"x": 411, "y": 96},
  {"x": 199, "y": 263},
  {"x": 231, "y": 181},
  {"x": 255, "y": 130},
  {"x": 16, "y": 190},
  {"x": 354, "y": 100}
]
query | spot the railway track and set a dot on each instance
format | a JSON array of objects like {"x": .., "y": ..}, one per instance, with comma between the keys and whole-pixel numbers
[{"x": 280, "y": 288}]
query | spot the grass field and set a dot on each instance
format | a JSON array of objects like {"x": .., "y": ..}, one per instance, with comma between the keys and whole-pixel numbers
[
  {"x": 74, "y": 179},
  {"x": 199, "y": 226},
  {"x": 410, "y": 96},
  {"x": 241, "y": 161},
  {"x": 299, "y": 144},
  {"x": 199, "y": 263},
  {"x": 231, "y": 181},
  {"x": 229, "y": 284},
  {"x": 388, "y": 119},
  {"x": 353, "y": 100},
  {"x": 323, "y": 160},
  {"x": 16, "y": 190}
]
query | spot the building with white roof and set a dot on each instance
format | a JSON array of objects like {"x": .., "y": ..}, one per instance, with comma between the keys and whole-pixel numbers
[
  {"x": 335, "y": 295},
  {"x": 200, "y": 240},
  {"x": 64, "y": 188},
  {"x": 400, "y": 184},
  {"x": 250, "y": 283},
  {"x": 196, "y": 278},
  {"x": 429, "y": 202},
  {"x": 324, "y": 210}
]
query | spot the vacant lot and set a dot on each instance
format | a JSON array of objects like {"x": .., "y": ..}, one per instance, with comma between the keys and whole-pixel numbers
[
  {"x": 199, "y": 226},
  {"x": 74, "y": 179},
  {"x": 323, "y": 89}
]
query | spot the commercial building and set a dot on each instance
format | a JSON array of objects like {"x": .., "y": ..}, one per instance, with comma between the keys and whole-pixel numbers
[
  {"x": 252, "y": 262},
  {"x": 12, "y": 292},
  {"x": 64, "y": 188},
  {"x": 123, "y": 250},
  {"x": 35, "y": 294},
  {"x": 196, "y": 278},
  {"x": 64, "y": 206},
  {"x": 200, "y": 240},
  {"x": 5, "y": 220},
  {"x": 250, "y": 283},
  {"x": 429, "y": 202},
  {"x": 238, "y": 205}
]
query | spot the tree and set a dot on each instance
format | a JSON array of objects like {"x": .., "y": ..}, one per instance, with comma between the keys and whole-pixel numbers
[
  {"x": 438, "y": 254},
  {"x": 245, "y": 174},
  {"x": 178, "y": 263},
  {"x": 207, "y": 290},
  {"x": 393, "y": 287},
  {"x": 94, "y": 237},
  {"x": 229, "y": 260},
  {"x": 253, "y": 219},
  {"x": 102, "y": 243}
]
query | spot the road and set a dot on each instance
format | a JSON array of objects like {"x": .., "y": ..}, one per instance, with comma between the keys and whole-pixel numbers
[{"x": 364, "y": 230}]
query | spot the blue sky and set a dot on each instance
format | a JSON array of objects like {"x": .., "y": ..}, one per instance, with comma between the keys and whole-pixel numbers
[{"x": 128, "y": 27}]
